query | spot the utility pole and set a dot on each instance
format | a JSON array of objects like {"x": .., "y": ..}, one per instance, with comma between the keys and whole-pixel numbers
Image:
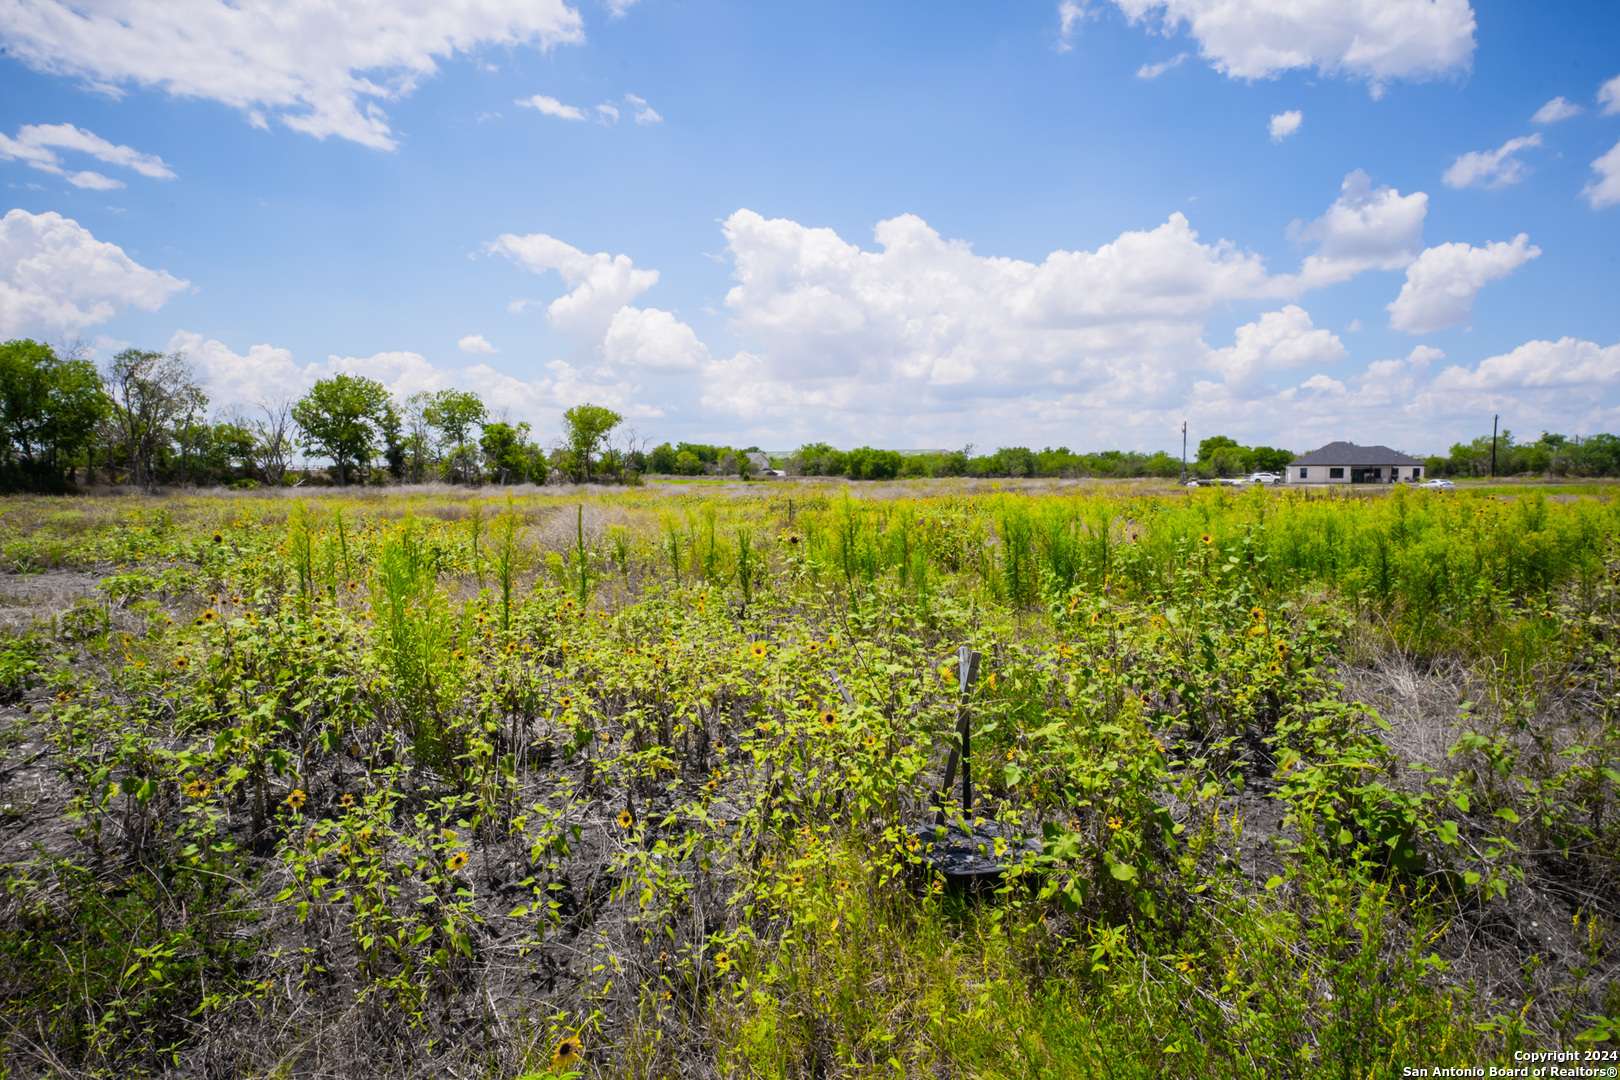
[
  {"x": 1184, "y": 451},
  {"x": 1494, "y": 419}
]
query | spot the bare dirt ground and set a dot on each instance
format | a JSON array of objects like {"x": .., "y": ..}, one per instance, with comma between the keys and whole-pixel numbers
[{"x": 28, "y": 598}]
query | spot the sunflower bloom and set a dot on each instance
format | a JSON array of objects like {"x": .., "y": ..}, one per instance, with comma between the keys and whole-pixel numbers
[
  {"x": 296, "y": 798},
  {"x": 568, "y": 1052},
  {"x": 456, "y": 861},
  {"x": 626, "y": 819}
]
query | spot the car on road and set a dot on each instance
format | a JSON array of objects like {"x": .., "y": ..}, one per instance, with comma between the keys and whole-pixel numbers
[
  {"x": 1437, "y": 484},
  {"x": 1264, "y": 478}
]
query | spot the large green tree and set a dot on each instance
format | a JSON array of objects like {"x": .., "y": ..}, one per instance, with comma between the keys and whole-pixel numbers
[
  {"x": 588, "y": 428},
  {"x": 343, "y": 418},
  {"x": 152, "y": 394},
  {"x": 49, "y": 409},
  {"x": 453, "y": 414},
  {"x": 509, "y": 456}
]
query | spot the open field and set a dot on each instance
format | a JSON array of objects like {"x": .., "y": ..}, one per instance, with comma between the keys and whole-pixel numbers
[{"x": 441, "y": 782}]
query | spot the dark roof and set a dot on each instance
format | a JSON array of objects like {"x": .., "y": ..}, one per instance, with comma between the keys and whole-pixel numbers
[{"x": 1348, "y": 453}]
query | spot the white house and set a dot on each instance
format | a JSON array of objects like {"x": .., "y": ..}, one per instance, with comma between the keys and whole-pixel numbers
[{"x": 1347, "y": 463}]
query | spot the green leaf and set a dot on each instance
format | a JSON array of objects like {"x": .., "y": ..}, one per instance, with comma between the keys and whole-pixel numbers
[
  {"x": 1508, "y": 815},
  {"x": 1273, "y": 882},
  {"x": 1122, "y": 871},
  {"x": 1345, "y": 837}
]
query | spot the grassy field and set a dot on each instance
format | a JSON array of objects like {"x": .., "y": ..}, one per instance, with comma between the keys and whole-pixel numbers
[{"x": 642, "y": 783}]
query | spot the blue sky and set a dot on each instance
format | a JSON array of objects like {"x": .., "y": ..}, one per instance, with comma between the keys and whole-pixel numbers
[{"x": 895, "y": 224}]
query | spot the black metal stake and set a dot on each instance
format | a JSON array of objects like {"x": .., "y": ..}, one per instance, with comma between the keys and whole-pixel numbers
[{"x": 967, "y": 670}]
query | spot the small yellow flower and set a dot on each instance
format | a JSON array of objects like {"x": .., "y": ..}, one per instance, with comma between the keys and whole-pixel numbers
[
  {"x": 797, "y": 881},
  {"x": 1115, "y": 824},
  {"x": 722, "y": 962},
  {"x": 828, "y": 719},
  {"x": 870, "y": 742},
  {"x": 296, "y": 798},
  {"x": 1258, "y": 614},
  {"x": 457, "y": 860},
  {"x": 346, "y": 800},
  {"x": 1206, "y": 539},
  {"x": 567, "y": 1054},
  {"x": 626, "y": 819},
  {"x": 198, "y": 789},
  {"x": 218, "y": 539},
  {"x": 180, "y": 662},
  {"x": 757, "y": 650},
  {"x": 1257, "y": 630},
  {"x": 345, "y": 850}
]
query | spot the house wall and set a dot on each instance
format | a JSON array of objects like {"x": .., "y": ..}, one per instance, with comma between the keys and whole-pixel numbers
[{"x": 1323, "y": 474}]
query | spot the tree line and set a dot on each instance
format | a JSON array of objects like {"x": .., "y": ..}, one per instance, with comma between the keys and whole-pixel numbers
[
  {"x": 1217, "y": 456},
  {"x": 1550, "y": 455},
  {"x": 143, "y": 420}
]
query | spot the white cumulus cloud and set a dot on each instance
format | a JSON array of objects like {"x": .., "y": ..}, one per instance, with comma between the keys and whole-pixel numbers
[
  {"x": 599, "y": 284},
  {"x": 550, "y": 106},
  {"x": 1284, "y": 124},
  {"x": 1555, "y": 110},
  {"x": 1375, "y": 40},
  {"x": 41, "y": 145},
  {"x": 1366, "y": 228},
  {"x": 920, "y": 328},
  {"x": 1608, "y": 96},
  {"x": 652, "y": 339},
  {"x": 645, "y": 113},
  {"x": 57, "y": 278},
  {"x": 1153, "y": 71},
  {"x": 1070, "y": 15},
  {"x": 476, "y": 344},
  {"x": 1539, "y": 365},
  {"x": 322, "y": 67},
  {"x": 1442, "y": 283},
  {"x": 1276, "y": 341},
  {"x": 1491, "y": 168},
  {"x": 1604, "y": 188}
]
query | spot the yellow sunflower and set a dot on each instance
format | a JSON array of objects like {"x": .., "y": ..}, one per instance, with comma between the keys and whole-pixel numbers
[
  {"x": 568, "y": 1053},
  {"x": 457, "y": 860},
  {"x": 626, "y": 819}
]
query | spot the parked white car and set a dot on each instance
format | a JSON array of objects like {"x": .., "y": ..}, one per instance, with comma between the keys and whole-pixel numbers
[
  {"x": 1264, "y": 478},
  {"x": 1437, "y": 484}
]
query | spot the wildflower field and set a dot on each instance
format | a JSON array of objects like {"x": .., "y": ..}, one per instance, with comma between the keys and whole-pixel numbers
[{"x": 645, "y": 783}]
